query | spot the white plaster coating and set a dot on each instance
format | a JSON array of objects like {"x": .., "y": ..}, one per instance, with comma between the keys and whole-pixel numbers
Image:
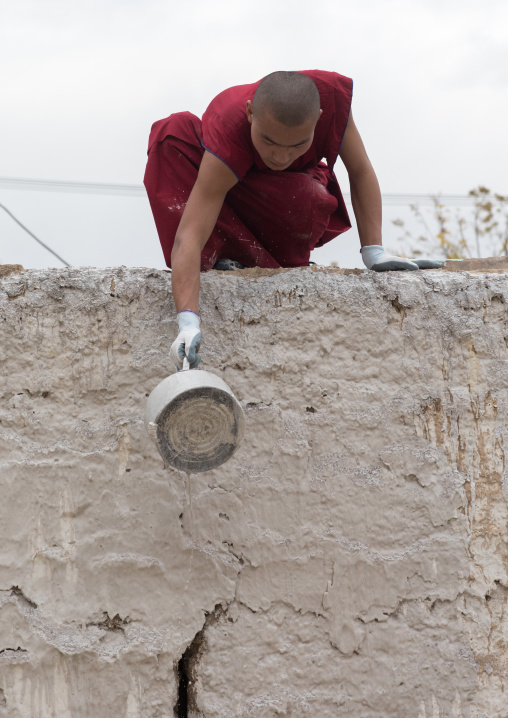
[{"x": 351, "y": 559}]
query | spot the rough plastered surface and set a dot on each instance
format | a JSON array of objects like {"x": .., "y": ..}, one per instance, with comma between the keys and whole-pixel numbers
[{"x": 350, "y": 560}]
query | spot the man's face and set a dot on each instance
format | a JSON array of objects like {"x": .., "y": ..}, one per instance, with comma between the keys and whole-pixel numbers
[{"x": 278, "y": 145}]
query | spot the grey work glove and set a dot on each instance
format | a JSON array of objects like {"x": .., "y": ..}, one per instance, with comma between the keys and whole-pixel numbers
[
  {"x": 375, "y": 258},
  {"x": 188, "y": 340}
]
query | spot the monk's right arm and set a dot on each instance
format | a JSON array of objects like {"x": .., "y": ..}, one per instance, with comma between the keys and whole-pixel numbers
[{"x": 205, "y": 201}]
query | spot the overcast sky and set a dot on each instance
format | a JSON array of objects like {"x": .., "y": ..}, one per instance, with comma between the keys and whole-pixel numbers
[{"x": 81, "y": 84}]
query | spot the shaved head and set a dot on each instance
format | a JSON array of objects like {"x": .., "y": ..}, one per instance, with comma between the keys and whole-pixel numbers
[{"x": 290, "y": 97}]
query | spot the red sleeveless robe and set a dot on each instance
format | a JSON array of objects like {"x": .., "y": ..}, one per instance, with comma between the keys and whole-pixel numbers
[{"x": 270, "y": 218}]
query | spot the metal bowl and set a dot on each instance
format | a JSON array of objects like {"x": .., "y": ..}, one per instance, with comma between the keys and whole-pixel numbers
[{"x": 195, "y": 421}]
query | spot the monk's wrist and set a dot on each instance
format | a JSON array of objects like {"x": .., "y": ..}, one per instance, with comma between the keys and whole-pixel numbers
[
  {"x": 372, "y": 254},
  {"x": 188, "y": 319}
]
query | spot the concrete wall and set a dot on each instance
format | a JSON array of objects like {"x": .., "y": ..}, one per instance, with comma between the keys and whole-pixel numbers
[{"x": 350, "y": 560}]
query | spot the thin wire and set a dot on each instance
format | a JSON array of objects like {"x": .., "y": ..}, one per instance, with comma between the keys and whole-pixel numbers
[
  {"x": 67, "y": 186},
  {"x": 398, "y": 199},
  {"x": 33, "y": 235}
]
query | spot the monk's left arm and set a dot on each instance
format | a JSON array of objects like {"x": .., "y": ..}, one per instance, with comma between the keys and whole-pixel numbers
[
  {"x": 365, "y": 192},
  {"x": 366, "y": 199}
]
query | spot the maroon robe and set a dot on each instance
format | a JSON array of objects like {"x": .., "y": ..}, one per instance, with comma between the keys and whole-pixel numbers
[{"x": 269, "y": 218}]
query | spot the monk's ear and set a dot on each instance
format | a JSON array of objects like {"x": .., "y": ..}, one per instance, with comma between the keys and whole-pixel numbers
[{"x": 249, "y": 111}]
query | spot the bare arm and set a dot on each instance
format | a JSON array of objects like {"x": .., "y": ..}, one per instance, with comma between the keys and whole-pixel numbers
[
  {"x": 205, "y": 201},
  {"x": 365, "y": 192}
]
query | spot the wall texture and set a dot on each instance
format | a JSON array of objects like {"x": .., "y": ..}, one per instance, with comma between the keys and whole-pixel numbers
[{"x": 350, "y": 560}]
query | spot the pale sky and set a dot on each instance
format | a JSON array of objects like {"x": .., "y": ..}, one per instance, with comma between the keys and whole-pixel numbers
[{"x": 81, "y": 84}]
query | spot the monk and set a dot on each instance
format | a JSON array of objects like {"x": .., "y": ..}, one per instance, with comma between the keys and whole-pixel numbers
[{"x": 246, "y": 186}]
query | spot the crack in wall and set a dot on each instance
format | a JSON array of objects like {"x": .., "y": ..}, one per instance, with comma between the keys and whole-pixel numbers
[
  {"x": 16, "y": 591},
  {"x": 14, "y": 656},
  {"x": 186, "y": 670},
  {"x": 13, "y": 650},
  {"x": 111, "y": 624},
  {"x": 73, "y": 638}
]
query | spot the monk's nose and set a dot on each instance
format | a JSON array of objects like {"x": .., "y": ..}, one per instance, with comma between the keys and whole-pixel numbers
[{"x": 282, "y": 158}]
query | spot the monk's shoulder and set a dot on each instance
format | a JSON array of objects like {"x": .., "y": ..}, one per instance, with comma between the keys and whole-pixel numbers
[
  {"x": 230, "y": 104},
  {"x": 329, "y": 82}
]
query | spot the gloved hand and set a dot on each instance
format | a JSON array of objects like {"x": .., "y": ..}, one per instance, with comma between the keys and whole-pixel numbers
[
  {"x": 375, "y": 258},
  {"x": 188, "y": 340}
]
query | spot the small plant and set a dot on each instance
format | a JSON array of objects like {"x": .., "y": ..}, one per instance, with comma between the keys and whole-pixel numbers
[{"x": 457, "y": 233}]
